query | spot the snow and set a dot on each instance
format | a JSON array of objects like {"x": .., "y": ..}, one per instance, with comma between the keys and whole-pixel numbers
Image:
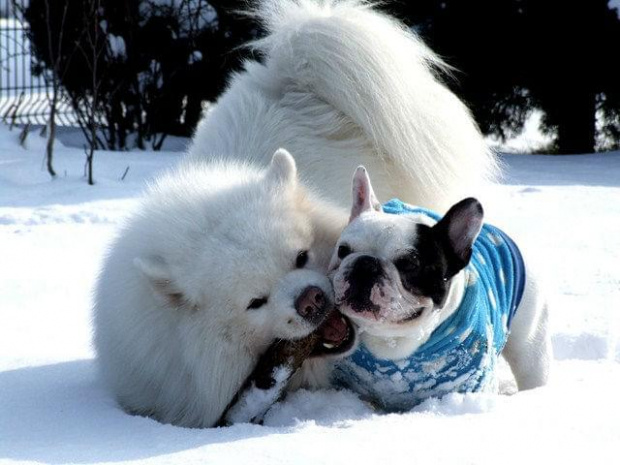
[
  {"x": 195, "y": 57},
  {"x": 117, "y": 46},
  {"x": 529, "y": 140},
  {"x": 54, "y": 409}
]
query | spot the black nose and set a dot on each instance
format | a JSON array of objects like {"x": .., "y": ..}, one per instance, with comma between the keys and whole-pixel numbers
[
  {"x": 366, "y": 271},
  {"x": 312, "y": 304},
  {"x": 366, "y": 267}
]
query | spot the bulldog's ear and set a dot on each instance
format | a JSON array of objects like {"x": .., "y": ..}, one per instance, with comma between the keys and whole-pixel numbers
[
  {"x": 156, "y": 271},
  {"x": 457, "y": 232},
  {"x": 282, "y": 169},
  {"x": 364, "y": 198}
]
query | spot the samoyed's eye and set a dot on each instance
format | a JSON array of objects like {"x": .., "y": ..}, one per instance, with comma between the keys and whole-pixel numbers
[
  {"x": 302, "y": 259},
  {"x": 257, "y": 303}
]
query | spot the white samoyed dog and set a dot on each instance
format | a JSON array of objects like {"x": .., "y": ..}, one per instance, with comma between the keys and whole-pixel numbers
[
  {"x": 229, "y": 251},
  {"x": 219, "y": 261}
]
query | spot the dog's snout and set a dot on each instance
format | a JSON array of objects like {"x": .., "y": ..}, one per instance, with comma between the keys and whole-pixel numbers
[
  {"x": 367, "y": 265},
  {"x": 312, "y": 303}
]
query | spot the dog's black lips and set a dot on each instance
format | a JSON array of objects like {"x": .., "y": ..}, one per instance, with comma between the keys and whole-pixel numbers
[{"x": 337, "y": 335}]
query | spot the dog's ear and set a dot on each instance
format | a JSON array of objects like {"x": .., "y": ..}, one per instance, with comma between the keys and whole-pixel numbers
[
  {"x": 364, "y": 198},
  {"x": 159, "y": 277},
  {"x": 283, "y": 169},
  {"x": 457, "y": 231}
]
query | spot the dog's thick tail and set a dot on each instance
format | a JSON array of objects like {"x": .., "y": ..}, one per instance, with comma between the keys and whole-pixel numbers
[{"x": 383, "y": 78}]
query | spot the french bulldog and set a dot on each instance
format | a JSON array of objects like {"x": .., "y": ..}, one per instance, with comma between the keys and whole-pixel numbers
[{"x": 436, "y": 301}]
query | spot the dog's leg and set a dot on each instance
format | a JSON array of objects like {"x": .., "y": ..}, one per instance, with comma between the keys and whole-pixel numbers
[{"x": 528, "y": 350}]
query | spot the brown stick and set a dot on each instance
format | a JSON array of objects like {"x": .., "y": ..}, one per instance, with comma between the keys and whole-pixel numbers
[{"x": 281, "y": 354}]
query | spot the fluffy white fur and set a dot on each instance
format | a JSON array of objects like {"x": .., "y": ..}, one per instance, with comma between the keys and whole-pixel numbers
[
  {"x": 173, "y": 334},
  {"x": 341, "y": 84},
  {"x": 344, "y": 85}
]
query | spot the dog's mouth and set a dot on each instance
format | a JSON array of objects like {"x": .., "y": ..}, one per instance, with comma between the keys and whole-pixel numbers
[{"x": 336, "y": 335}]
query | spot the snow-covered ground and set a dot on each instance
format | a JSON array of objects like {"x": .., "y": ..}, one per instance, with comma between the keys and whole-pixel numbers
[{"x": 53, "y": 408}]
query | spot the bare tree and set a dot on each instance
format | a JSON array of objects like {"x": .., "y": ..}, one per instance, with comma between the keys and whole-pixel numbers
[
  {"x": 93, "y": 46},
  {"x": 59, "y": 66}
]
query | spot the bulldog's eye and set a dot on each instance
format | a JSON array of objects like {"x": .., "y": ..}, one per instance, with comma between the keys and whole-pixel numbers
[
  {"x": 343, "y": 251},
  {"x": 302, "y": 259},
  {"x": 257, "y": 303},
  {"x": 408, "y": 264}
]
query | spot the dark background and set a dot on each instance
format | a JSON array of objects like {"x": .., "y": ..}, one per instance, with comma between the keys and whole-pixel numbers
[{"x": 512, "y": 57}]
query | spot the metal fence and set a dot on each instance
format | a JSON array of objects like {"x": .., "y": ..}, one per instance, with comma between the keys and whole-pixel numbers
[{"x": 24, "y": 93}]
